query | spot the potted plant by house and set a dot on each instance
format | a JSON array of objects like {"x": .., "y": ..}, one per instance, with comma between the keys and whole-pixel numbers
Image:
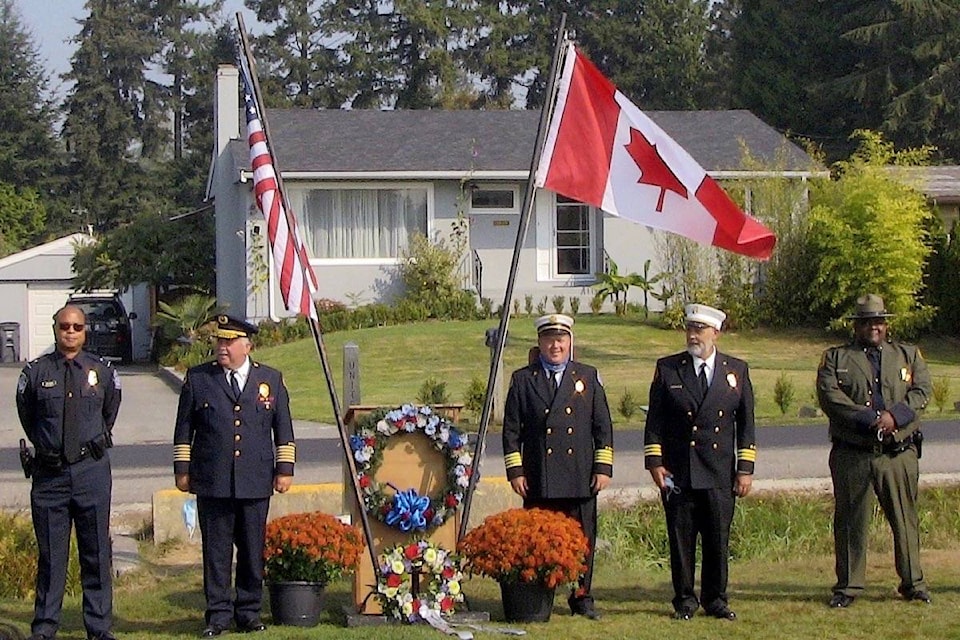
[
  {"x": 530, "y": 552},
  {"x": 303, "y": 553}
]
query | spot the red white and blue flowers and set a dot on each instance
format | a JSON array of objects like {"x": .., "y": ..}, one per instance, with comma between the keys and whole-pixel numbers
[
  {"x": 417, "y": 577},
  {"x": 404, "y": 508}
]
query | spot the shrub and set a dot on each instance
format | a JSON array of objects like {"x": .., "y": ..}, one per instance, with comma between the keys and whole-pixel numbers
[
  {"x": 558, "y": 303},
  {"x": 475, "y": 395},
  {"x": 628, "y": 404},
  {"x": 542, "y": 306},
  {"x": 596, "y": 304},
  {"x": 432, "y": 391},
  {"x": 516, "y": 308},
  {"x": 18, "y": 556},
  {"x": 528, "y": 304},
  {"x": 574, "y": 305},
  {"x": 941, "y": 392},
  {"x": 783, "y": 392},
  {"x": 429, "y": 272},
  {"x": 486, "y": 307}
]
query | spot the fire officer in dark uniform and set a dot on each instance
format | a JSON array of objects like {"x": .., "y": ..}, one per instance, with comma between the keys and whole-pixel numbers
[
  {"x": 68, "y": 402},
  {"x": 558, "y": 438},
  {"x": 700, "y": 449},
  {"x": 233, "y": 447},
  {"x": 873, "y": 391}
]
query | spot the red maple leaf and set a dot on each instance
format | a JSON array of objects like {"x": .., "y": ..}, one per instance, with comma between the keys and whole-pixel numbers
[{"x": 653, "y": 170}]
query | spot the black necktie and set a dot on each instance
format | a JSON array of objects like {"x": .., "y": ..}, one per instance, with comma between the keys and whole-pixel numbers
[
  {"x": 71, "y": 411},
  {"x": 703, "y": 380},
  {"x": 234, "y": 385}
]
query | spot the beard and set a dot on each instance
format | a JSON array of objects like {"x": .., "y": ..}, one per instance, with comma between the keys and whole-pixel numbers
[{"x": 696, "y": 350}]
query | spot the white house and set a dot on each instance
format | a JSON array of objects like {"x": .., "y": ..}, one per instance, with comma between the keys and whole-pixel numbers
[
  {"x": 36, "y": 282},
  {"x": 359, "y": 182}
]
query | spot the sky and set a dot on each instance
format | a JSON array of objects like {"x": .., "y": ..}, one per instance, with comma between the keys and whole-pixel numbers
[{"x": 53, "y": 23}]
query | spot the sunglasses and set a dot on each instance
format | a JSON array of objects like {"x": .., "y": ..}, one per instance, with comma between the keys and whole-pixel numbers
[{"x": 65, "y": 326}]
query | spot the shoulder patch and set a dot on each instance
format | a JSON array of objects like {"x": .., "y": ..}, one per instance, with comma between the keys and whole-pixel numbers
[
  {"x": 22, "y": 382},
  {"x": 116, "y": 379}
]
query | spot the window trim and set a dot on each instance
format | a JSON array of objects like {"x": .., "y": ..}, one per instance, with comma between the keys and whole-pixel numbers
[
  {"x": 574, "y": 278},
  {"x": 495, "y": 186},
  {"x": 373, "y": 185}
]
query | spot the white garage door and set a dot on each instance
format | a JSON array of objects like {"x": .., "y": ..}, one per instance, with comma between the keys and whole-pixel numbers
[{"x": 43, "y": 300}]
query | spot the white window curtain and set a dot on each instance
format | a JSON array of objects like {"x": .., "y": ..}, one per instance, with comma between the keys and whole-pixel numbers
[{"x": 360, "y": 223}]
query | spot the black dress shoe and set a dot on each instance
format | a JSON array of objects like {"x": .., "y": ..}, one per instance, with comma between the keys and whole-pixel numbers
[
  {"x": 723, "y": 613},
  {"x": 683, "y": 614},
  {"x": 253, "y": 626},
  {"x": 920, "y": 596},
  {"x": 212, "y": 631},
  {"x": 840, "y": 601}
]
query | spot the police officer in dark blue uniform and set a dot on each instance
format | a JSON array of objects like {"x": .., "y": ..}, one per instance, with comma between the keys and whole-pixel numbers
[
  {"x": 233, "y": 447},
  {"x": 699, "y": 446},
  {"x": 558, "y": 438},
  {"x": 68, "y": 402}
]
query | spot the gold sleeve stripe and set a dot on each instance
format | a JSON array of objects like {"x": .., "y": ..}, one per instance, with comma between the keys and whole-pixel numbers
[
  {"x": 653, "y": 450},
  {"x": 181, "y": 453},
  {"x": 748, "y": 455},
  {"x": 287, "y": 453},
  {"x": 512, "y": 460},
  {"x": 604, "y": 455}
]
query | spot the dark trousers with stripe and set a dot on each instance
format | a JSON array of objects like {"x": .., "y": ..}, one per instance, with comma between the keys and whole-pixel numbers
[
  {"x": 225, "y": 522},
  {"x": 707, "y": 514},
  {"x": 584, "y": 511},
  {"x": 76, "y": 495}
]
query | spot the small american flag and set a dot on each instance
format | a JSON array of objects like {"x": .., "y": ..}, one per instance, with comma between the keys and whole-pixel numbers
[{"x": 297, "y": 280}]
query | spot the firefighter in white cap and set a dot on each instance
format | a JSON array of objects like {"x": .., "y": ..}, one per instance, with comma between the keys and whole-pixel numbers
[
  {"x": 700, "y": 449},
  {"x": 558, "y": 438}
]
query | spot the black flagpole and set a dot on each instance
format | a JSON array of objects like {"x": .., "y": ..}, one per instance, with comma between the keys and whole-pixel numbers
[
  {"x": 545, "y": 113},
  {"x": 314, "y": 325}
]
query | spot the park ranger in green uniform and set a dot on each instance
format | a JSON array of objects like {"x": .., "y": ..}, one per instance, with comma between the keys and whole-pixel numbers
[{"x": 872, "y": 390}]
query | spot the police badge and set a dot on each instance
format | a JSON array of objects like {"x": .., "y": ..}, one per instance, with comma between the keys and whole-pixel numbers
[{"x": 732, "y": 380}]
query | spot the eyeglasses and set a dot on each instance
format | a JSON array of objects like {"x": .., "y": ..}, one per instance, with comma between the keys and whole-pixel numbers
[{"x": 65, "y": 326}]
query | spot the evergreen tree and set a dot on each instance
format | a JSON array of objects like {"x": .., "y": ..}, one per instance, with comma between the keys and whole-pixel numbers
[
  {"x": 29, "y": 155},
  {"x": 112, "y": 112}
]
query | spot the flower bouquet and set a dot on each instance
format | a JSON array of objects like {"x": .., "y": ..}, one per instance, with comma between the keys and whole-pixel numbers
[
  {"x": 310, "y": 547},
  {"x": 418, "y": 580},
  {"x": 527, "y": 545}
]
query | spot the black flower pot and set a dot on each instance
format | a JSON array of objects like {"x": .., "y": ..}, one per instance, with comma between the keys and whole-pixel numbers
[
  {"x": 297, "y": 604},
  {"x": 526, "y": 601}
]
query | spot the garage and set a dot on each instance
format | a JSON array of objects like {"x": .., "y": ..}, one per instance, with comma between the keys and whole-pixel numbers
[{"x": 35, "y": 283}]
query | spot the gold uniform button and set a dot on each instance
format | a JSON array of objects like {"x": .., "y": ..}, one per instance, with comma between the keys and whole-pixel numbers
[
  {"x": 570, "y": 430},
  {"x": 720, "y": 413},
  {"x": 569, "y": 452},
  {"x": 867, "y": 403},
  {"x": 206, "y": 404},
  {"x": 714, "y": 445},
  {"x": 689, "y": 414},
  {"x": 693, "y": 443},
  {"x": 549, "y": 431},
  {"x": 236, "y": 423},
  {"x": 236, "y": 438},
  {"x": 236, "y": 454},
  {"x": 569, "y": 410},
  {"x": 549, "y": 451},
  {"x": 716, "y": 429},
  {"x": 546, "y": 411},
  {"x": 70, "y": 394},
  {"x": 695, "y": 427},
  {"x": 236, "y": 407}
]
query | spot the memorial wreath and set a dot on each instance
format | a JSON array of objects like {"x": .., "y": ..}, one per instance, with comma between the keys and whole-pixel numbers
[
  {"x": 405, "y": 509},
  {"x": 418, "y": 578}
]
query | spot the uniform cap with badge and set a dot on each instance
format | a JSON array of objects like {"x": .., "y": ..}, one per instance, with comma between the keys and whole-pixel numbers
[
  {"x": 229, "y": 328},
  {"x": 554, "y": 322},
  {"x": 701, "y": 315},
  {"x": 869, "y": 307}
]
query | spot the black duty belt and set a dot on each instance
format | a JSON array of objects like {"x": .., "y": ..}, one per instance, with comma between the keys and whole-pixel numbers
[{"x": 53, "y": 460}]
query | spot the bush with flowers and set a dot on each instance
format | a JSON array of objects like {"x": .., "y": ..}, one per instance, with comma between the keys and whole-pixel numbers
[
  {"x": 416, "y": 577},
  {"x": 310, "y": 547},
  {"x": 405, "y": 509},
  {"x": 527, "y": 545}
]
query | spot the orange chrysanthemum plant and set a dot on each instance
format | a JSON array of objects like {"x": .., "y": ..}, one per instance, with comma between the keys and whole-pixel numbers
[
  {"x": 310, "y": 547},
  {"x": 527, "y": 545}
]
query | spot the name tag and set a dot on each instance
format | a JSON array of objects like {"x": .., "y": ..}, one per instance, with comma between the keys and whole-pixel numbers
[{"x": 48, "y": 384}]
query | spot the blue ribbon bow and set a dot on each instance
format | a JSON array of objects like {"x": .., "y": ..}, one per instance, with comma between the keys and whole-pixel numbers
[{"x": 408, "y": 510}]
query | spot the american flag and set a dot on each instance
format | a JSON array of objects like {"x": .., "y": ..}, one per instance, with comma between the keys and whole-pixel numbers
[{"x": 298, "y": 283}]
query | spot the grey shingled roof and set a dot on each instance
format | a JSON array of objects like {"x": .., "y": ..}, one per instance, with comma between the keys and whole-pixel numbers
[{"x": 308, "y": 140}]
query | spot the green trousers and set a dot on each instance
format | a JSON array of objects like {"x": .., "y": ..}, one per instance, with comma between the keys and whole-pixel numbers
[{"x": 893, "y": 478}]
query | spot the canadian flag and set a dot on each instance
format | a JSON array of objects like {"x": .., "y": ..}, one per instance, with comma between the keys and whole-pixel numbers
[{"x": 602, "y": 150}]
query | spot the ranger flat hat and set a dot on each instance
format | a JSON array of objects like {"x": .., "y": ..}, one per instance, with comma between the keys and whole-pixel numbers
[
  {"x": 229, "y": 328},
  {"x": 704, "y": 315},
  {"x": 554, "y": 322},
  {"x": 870, "y": 306}
]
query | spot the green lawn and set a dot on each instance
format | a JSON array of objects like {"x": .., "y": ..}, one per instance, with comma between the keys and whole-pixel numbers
[{"x": 394, "y": 361}]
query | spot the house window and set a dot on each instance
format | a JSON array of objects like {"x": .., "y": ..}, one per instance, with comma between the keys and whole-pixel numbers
[
  {"x": 363, "y": 223},
  {"x": 574, "y": 256},
  {"x": 498, "y": 199}
]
